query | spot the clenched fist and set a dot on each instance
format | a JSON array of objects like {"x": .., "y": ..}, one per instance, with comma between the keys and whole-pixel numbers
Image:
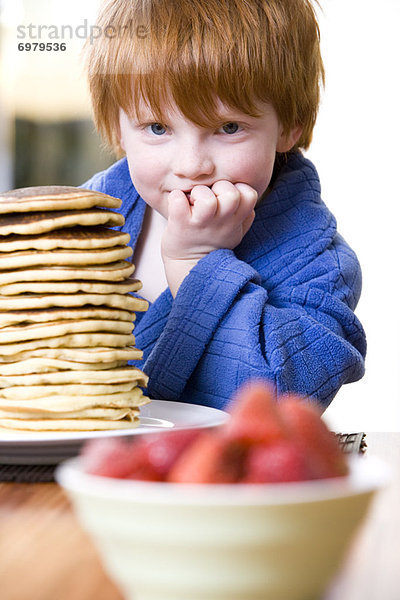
[{"x": 208, "y": 219}]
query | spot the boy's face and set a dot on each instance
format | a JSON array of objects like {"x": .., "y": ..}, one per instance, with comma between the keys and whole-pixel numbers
[{"x": 179, "y": 154}]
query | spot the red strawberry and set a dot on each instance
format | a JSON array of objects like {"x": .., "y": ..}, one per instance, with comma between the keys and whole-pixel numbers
[
  {"x": 278, "y": 462},
  {"x": 141, "y": 467},
  {"x": 210, "y": 459},
  {"x": 310, "y": 432},
  {"x": 163, "y": 449},
  {"x": 113, "y": 457},
  {"x": 255, "y": 416}
]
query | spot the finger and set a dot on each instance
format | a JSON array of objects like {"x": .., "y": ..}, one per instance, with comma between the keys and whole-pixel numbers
[
  {"x": 228, "y": 197},
  {"x": 178, "y": 206},
  {"x": 248, "y": 200},
  {"x": 247, "y": 223},
  {"x": 204, "y": 203}
]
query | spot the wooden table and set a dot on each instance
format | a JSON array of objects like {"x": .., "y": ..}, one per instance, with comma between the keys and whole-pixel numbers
[{"x": 44, "y": 554}]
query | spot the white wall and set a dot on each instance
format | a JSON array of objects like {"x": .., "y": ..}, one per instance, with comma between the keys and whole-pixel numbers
[{"x": 355, "y": 149}]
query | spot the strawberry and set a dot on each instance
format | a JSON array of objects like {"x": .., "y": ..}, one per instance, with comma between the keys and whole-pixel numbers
[
  {"x": 110, "y": 457},
  {"x": 212, "y": 458},
  {"x": 278, "y": 462},
  {"x": 255, "y": 416},
  {"x": 141, "y": 467},
  {"x": 305, "y": 425},
  {"x": 263, "y": 442},
  {"x": 148, "y": 458},
  {"x": 163, "y": 449}
]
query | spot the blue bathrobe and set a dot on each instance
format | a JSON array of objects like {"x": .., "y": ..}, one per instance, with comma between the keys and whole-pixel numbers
[{"x": 279, "y": 306}]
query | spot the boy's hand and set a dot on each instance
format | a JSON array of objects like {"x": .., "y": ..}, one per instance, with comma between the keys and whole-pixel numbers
[{"x": 212, "y": 218}]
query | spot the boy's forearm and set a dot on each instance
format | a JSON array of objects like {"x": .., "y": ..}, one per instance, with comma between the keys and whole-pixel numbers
[{"x": 176, "y": 270}]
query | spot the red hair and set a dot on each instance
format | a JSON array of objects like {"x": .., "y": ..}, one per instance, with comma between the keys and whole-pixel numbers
[{"x": 192, "y": 52}]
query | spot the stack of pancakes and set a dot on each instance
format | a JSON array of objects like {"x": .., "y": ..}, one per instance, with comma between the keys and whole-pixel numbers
[{"x": 66, "y": 315}]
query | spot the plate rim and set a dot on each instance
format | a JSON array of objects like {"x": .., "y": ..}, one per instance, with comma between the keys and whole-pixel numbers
[{"x": 12, "y": 440}]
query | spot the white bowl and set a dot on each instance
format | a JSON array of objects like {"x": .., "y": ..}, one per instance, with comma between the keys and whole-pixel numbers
[{"x": 162, "y": 541}]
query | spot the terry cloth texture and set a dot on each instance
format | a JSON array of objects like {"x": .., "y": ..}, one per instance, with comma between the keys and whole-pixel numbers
[{"x": 279, "y": 306}]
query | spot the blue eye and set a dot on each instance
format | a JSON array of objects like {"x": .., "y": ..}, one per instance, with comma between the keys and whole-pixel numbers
[
  {"x": 157, "y": 128},
  {"x": 230, "y": 127}
]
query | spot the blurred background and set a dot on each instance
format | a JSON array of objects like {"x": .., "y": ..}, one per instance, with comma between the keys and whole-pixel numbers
[{"x": 47, "y": 137}]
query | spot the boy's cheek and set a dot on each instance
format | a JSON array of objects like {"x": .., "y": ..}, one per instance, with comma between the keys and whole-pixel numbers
[{"x": 256, "y": 173}]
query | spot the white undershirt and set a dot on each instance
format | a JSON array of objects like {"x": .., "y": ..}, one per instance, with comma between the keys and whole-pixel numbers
[{"x": 147, "y": 256}]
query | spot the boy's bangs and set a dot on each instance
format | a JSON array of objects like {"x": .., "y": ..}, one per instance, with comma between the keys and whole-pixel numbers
[{"x": 198, "y": 104}]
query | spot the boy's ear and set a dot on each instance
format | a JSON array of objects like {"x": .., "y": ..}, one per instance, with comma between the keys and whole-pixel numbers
[{"x": 288, "y": 140}]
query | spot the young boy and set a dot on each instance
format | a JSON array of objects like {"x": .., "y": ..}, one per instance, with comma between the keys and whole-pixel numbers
[{"x": 211, "y": 101}]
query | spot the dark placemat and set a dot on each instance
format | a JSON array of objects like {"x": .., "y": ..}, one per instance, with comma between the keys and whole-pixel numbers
[
  {"x": 27, "y": 473},
  {"x": 352, "y": 443}
]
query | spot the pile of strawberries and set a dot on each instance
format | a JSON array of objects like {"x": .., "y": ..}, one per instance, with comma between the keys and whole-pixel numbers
[{"x": 264, "y": 441}]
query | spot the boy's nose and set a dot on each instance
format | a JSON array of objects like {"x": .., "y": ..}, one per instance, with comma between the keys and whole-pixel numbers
[{"x": 192, "y": 162}]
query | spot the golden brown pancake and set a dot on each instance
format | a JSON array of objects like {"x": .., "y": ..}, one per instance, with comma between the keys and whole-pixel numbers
[
  {"x": 54, "y": 197},
  {"x": 78, "y": 238},
  {"x": 40, "y": 222}
]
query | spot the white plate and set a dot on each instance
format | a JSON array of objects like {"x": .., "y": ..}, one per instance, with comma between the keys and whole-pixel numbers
[{"x": 53, "y": 447}]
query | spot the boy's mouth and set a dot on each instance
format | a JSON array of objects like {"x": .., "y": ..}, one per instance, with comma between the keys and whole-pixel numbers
[{"x": 188, "y": 195}]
